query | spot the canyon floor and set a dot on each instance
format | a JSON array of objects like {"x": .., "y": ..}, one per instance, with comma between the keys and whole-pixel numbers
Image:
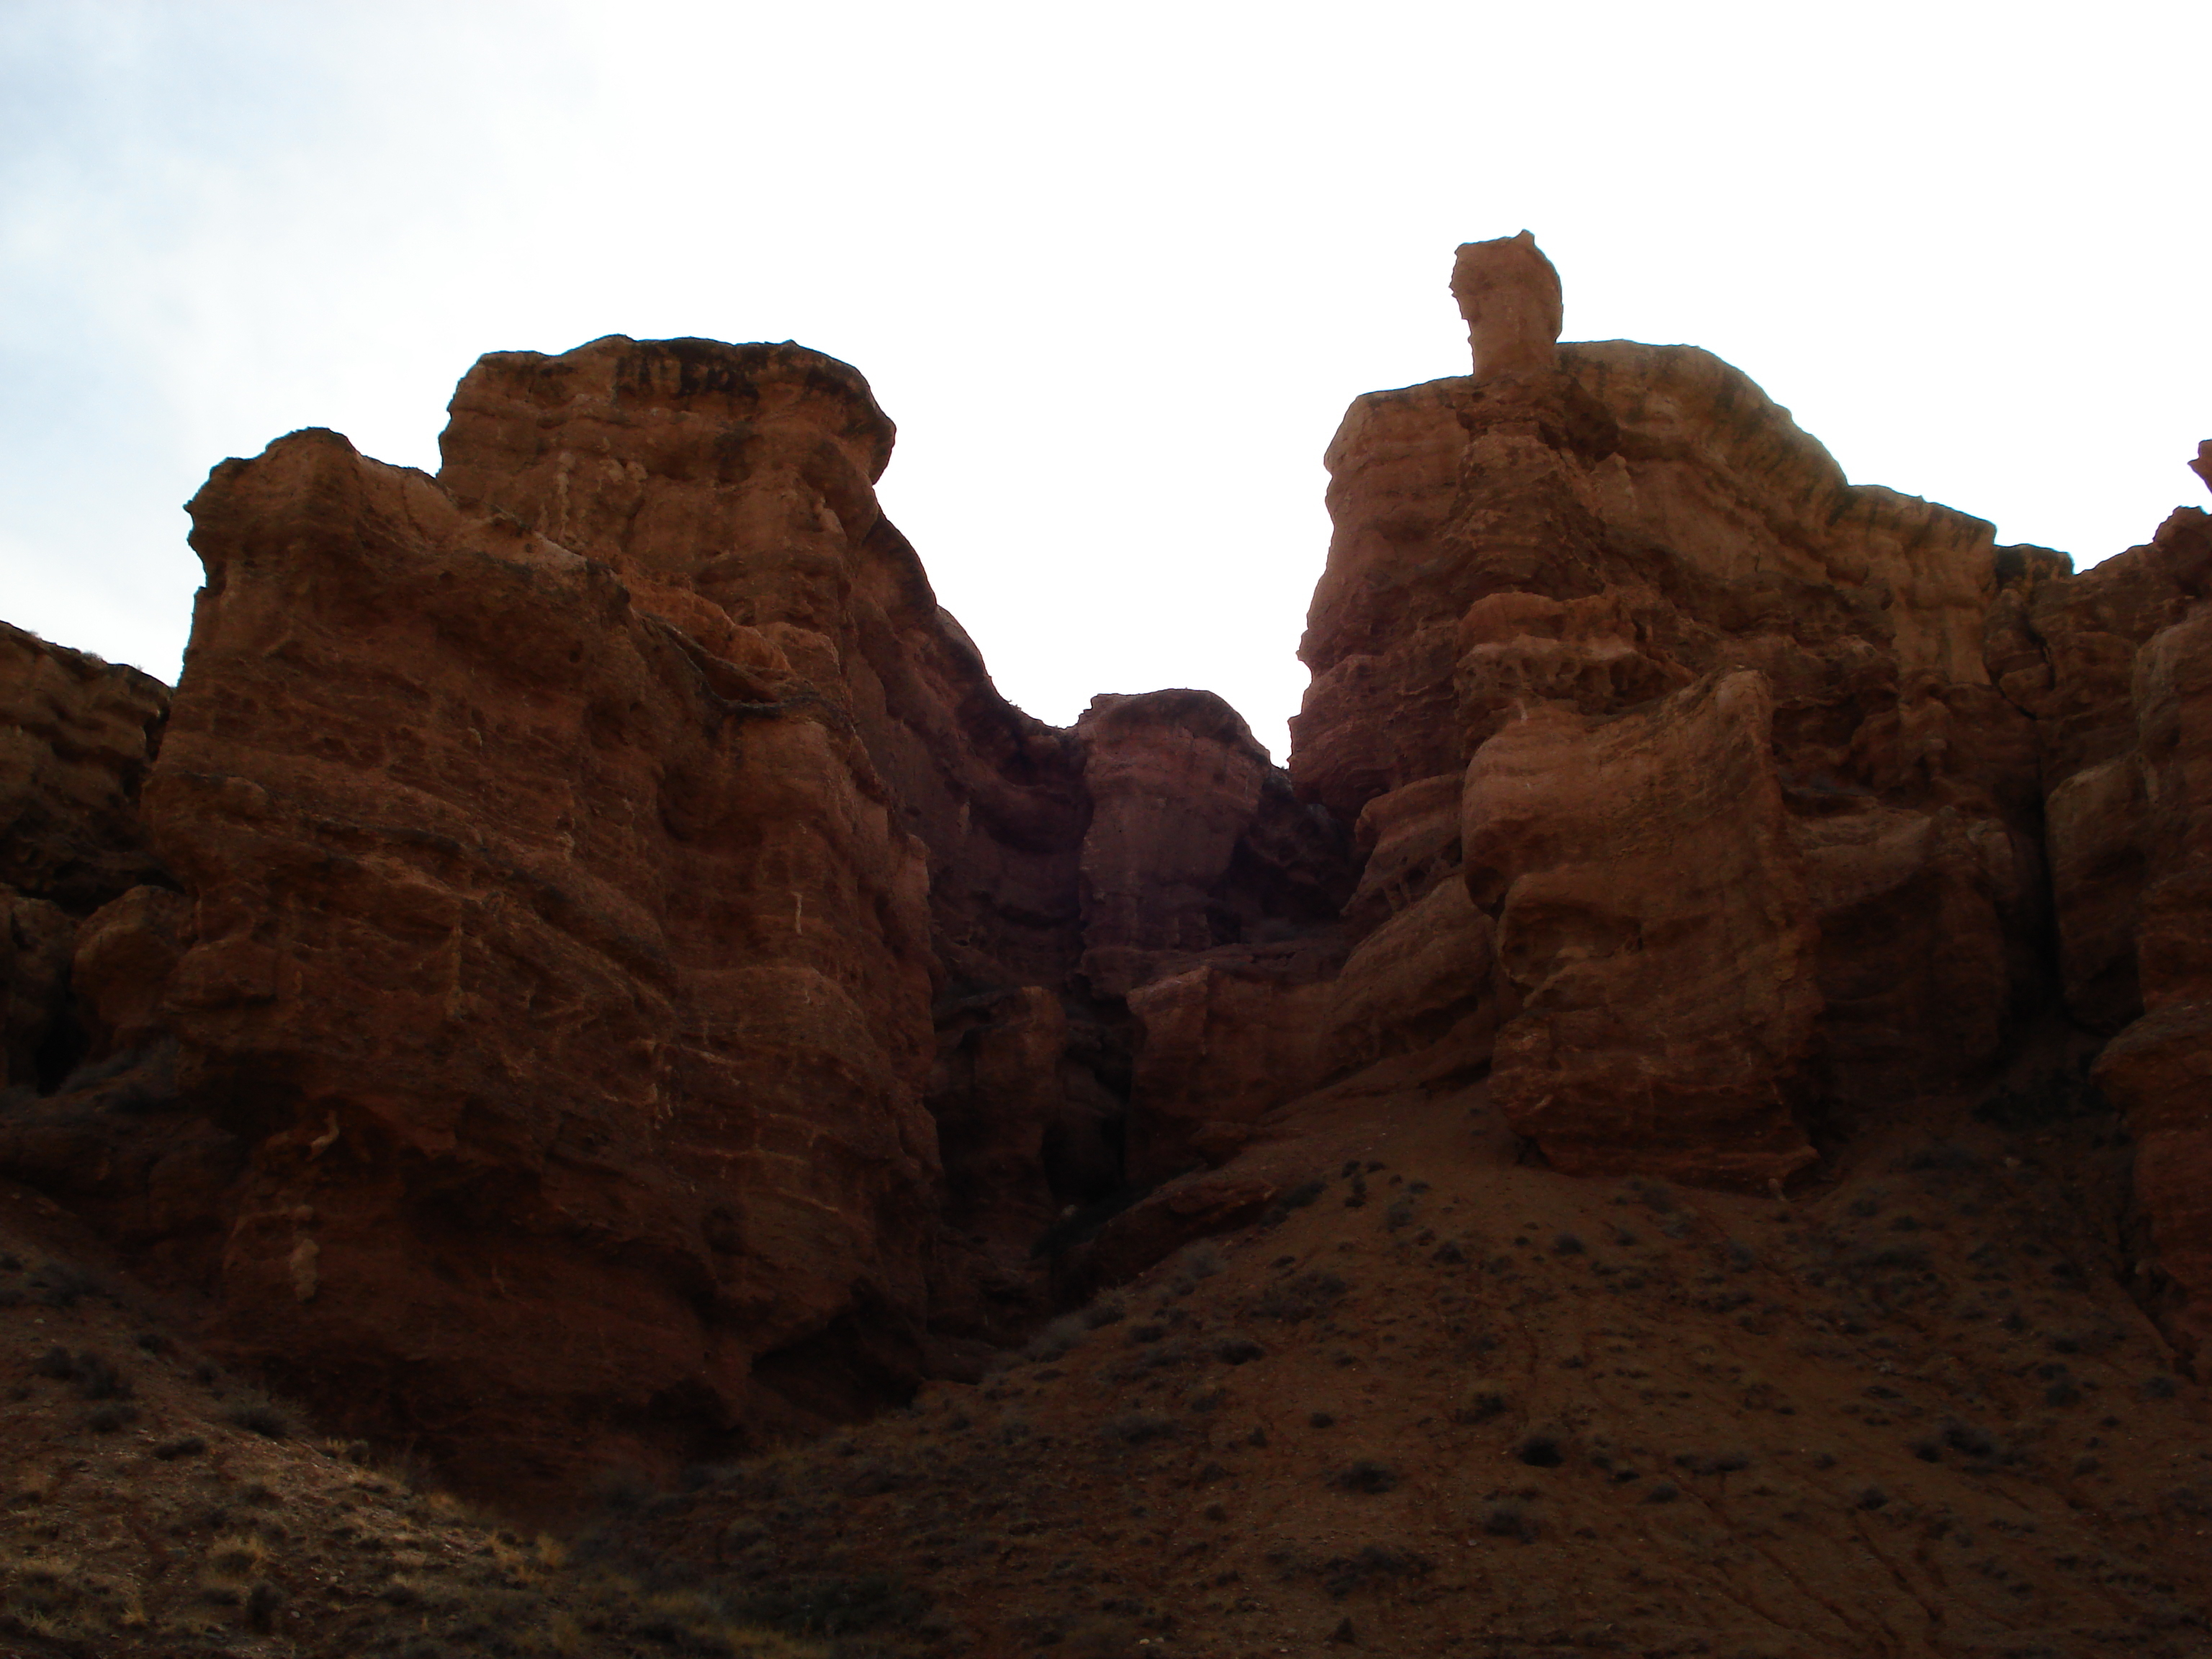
[{"x": 1442, "y": 1400}]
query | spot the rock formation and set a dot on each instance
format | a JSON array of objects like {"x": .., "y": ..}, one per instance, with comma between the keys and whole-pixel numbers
[
  {"x": 2115, "y": 663},
  {"x": 1509, "y": 295},
  {"x": 76, "y": 738},
  {"x": 1524, "y": 558},
  {"x": 588, "y": 969},
  {"x": 633, "y": 979}
]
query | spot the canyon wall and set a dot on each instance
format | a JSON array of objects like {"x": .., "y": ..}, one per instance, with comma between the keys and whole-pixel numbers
[
  {"x": 587, "y": 969},
  {"x": 603, "y": 970},
  {"x": 1703, "y": 728}
]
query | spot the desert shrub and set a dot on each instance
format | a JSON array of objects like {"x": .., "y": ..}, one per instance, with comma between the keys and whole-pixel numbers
[
  {"x": 1365, "y": 1476},
  {"x": 1568, "y": 1244},
  {"x": 1235, "y": 1350},
  {"x": 63, "y": 1284},
  {"x": 1968, "y": 1440},
  {"x": 169, "y": 1451},
  {"x": 1910, "y": 1258},
  {"x": 1135, "y": 1428},
  {"x": 256, "y": 1415},
  {"x": 833, "y": 1606},
  {"x": 1296, "y": 1199},
  {"x": 1872, "y": 1497},
  {"x": 1449, "y": 1255},
  {"x": 1945, "y": 1156},
  {"x": 1665, "y": 1492},
  {"x": 112, "y": 1415},
  {"x": 871, "y": 1477},
  {"x": 1107, "y": 1311},
  {"x": 1166, "y": 1356},
  {"x": 2157, "y": 1386},
  {"x": 1057, "y": 1339},
  {"x": 1540, "y": 1451},
  {"x": 1398, "y": 1215},
  {"x": 1202, "y": 1260},
  {"x": 96, "y": 1377},
  {"x": 1727, "y": 1462},
  {"x": 1483, "y": 1402},
  {"x": 1374, "y": 1564},
  {"x": 1510, "y": 1521},
  {"x": 1302, "y": 1296}
]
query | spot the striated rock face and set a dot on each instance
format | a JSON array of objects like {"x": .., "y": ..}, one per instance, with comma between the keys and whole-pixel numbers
[
  {"x": 76, "y": 738},
  {"x": 564, "y": 983},
  {"x": 2067, "y": 649},
  {"x": 1522, "y": 558},
  {"x": 595, "y": 973},
  {"x": 635, "y": 983},
  {"x": 2131, "y": 808},
  {"x": 1657, "y": 932}
]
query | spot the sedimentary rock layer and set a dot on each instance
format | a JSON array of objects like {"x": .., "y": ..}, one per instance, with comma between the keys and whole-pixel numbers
[{"x": 595, "y": 972}]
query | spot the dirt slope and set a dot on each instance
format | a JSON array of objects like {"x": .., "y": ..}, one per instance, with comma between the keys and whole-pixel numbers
[{"x": 1457, "y": 1404}]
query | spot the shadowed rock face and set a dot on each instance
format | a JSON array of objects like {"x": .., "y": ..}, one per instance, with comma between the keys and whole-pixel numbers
[
  {"x": 77, "y": 736},
  {"x": 2123, "y": 694},
  {"x": 596, "y": 973}
]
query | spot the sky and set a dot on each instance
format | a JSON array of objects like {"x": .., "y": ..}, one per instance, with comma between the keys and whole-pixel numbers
[{"x": 1115, "y": 270}]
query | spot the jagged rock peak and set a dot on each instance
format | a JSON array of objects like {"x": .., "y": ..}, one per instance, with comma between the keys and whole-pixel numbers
[{"x": 1509, "y": 295}]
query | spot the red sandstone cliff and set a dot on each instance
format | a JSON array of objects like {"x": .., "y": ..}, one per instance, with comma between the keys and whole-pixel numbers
[
  {"x": 1704, "y": 728},
  {"x": 597, "y": 972},
  {"x": 634, "y": 980}
]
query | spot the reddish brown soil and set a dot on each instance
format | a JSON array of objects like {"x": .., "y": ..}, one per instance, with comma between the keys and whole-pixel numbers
[{"x": 1461, "y": 1405}]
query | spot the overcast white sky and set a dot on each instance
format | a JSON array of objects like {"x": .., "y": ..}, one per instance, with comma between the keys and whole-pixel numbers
[{"x": 1115, "y": 271}]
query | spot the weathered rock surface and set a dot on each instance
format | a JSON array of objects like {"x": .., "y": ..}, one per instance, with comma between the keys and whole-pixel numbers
[
  {"x": 1657, "y": 931},
  {"x": 596, "y": 973},
  {"x": 565, "y": 983},
  {"x": 2067, "y": 648},
  {"x": 635, "y": 982},
  {"x": 1522, "y": 558},
  {"x": 2131, "y": 833},
  {"x": 76, "y": 738},
  {"x": 1510, "y": 297}
]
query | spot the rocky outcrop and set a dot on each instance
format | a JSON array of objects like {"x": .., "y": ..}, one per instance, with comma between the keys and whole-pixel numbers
[
  {"x": 564, "y": 983},
  {"x": 634, "y": 981},
  {"x": 2066, "y": 648},
  {"x": 1531, "y": 567},
  {"x": 1657, "y": 932},
  {"x": 76, "y": 738},
  {"x": 1509, "y": 295},
  {"x": 2120, "y": 680},
  {"x": 595, "y": 972}
]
